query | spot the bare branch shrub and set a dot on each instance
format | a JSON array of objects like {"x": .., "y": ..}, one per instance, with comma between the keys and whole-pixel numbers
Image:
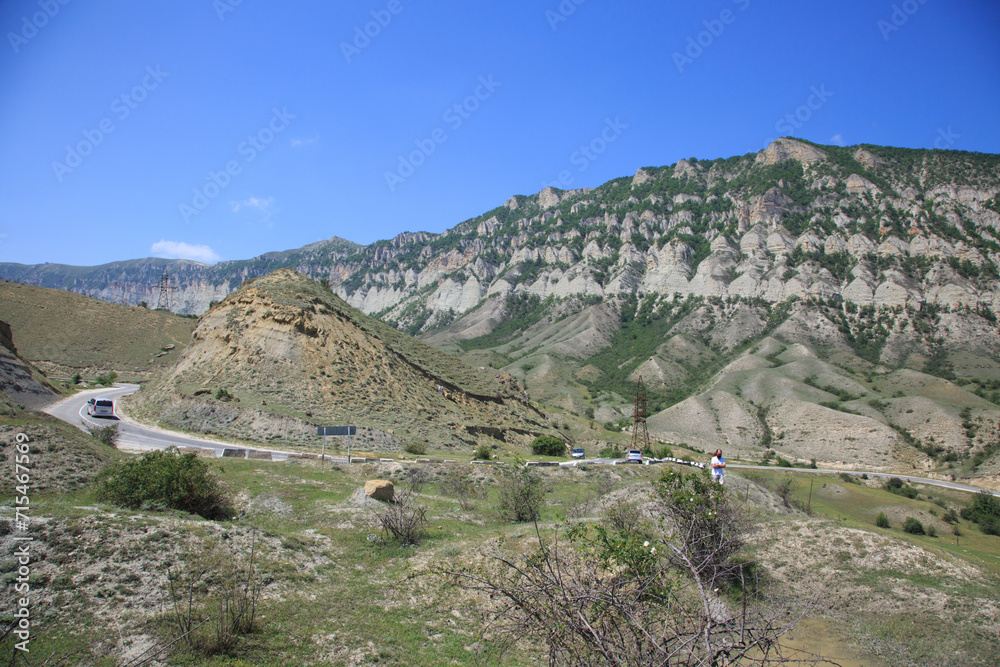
[
  {"x": 106, "y": 435},
  {"x": 403, "y": 518},
  {"x": 596, "y": 595},
  {"x": 459, "y": 485},
  {"x": 218, "y": 589}
]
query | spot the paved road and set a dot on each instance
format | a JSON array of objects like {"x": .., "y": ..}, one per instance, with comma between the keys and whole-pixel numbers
[{"x": 136, "y": 436}]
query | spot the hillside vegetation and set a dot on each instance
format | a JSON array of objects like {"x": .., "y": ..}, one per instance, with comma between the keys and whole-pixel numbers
[{"x": 64, "y": 333}]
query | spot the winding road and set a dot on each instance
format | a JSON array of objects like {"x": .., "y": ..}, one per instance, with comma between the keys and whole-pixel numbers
[{"x": 73, "y": 410}]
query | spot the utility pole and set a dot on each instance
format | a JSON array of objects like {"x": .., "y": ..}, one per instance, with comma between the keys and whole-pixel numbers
[
  {"x": 639, "y": 419},
  {"x": 163, "y": 303}
]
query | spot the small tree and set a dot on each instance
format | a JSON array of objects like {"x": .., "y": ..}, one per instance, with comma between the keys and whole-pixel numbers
[
  {"x": 521, "y": 493},
  {"x": 882, "y": 521},
  {"x": 483, "y": 453}
]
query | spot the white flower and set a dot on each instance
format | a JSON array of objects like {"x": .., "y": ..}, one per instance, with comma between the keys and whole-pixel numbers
[
  {"x": 653, "y": 550},
  {"x": 646, "y": 543}
]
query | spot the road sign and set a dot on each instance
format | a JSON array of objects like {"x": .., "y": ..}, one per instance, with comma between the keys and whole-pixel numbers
[{"x": 336, "y": 430}]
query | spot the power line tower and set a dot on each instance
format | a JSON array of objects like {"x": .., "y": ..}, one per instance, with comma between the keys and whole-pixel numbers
[
  {"x": 166, "y": 287},
  {"x": 640, "y": 436}
]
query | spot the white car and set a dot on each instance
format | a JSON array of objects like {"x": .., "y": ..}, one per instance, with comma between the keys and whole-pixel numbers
[
  {"x": 577, "y": 453},
  {"x": 633, "y": 455},
  {"x": 101, "y": 407}
]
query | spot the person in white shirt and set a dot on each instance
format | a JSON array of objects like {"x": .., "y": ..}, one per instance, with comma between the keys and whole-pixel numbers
[{"x": 718, "y": 466}]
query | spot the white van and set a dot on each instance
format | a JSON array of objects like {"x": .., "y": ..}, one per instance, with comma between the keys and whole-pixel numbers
[{"x": 101, "y": 407}]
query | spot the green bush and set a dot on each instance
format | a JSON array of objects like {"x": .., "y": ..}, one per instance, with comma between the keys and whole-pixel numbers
[
  {"x": 415, "y": 448},
  {"x": 931, "y": 531},
  {"x": 984, "y": 510},
  {"x": 222, "y": 395},
  {"x": 913, "y": 526},
  {"x": 882, "y": 521},
  {"x": 548, "y": 445},
  {"x": 165, "y": 478},
  {"x": 901, "y": 488},
  {"x": 107, "y": 379},
  {"x": 106, "y": 435},
  {"x": 483, "y": 453},
  {"x": 612, "y": 452}
]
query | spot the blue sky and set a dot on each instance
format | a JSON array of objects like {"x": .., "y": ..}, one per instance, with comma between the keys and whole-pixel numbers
[{"x": 222, "y": 129}]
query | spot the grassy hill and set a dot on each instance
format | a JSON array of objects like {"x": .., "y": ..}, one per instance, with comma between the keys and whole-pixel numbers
[
  {"x": 62, "y": 332},
  {"x": 332, "y": 595}
]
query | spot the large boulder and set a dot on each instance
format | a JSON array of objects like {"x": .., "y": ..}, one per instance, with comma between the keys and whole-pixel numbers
[{"x": 380, "y": 489}]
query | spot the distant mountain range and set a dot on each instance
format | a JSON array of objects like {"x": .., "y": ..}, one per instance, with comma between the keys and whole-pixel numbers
[{"x": 868, "y": 224}]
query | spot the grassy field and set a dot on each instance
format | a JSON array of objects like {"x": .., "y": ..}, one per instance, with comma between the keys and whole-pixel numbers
[
  {"x": 63, "y": 331},
  {"x": 333, "y": 597}
]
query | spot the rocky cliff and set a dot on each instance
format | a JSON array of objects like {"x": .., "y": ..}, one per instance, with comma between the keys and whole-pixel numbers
[{"x": 871, "y": 225}]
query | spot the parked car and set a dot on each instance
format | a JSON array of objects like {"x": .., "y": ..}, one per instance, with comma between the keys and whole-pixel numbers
[
  {"x": 101, "y": 407},
  {"x": 577, "y": 453},
  {"x": 633, "y": 455}
]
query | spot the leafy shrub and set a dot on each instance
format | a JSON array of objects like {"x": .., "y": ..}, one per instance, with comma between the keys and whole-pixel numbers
[
  {"x": 168, "y": 478},
  {"x": 913, "y": 526},
  {"x": 847, "y": 478},
  {"x": 901, "y": 488},
  {"x": 107, "y": 379},
  {"x": 483, "y": 453},
  {"x": 223, "y": 395},
  {"x": 612, "y": 452},
  {"x": 882, "y": 521},
  {"x": 984, "y": 510},
  {"x": 931, "y": 531},
  {"x": 548, "y": 445},
  {"x": 664, "y": 453},
  {"x": 415, "y": 448},
  {"x": 106, "y": 435}
]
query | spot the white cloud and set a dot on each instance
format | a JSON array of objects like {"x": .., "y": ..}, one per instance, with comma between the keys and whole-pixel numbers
[
  {"x": 837, "y": 139},
  {"x": 296, "y": 142},
  {"x": 261, "y": 204},
  {"x": 181, "y": 250}
]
